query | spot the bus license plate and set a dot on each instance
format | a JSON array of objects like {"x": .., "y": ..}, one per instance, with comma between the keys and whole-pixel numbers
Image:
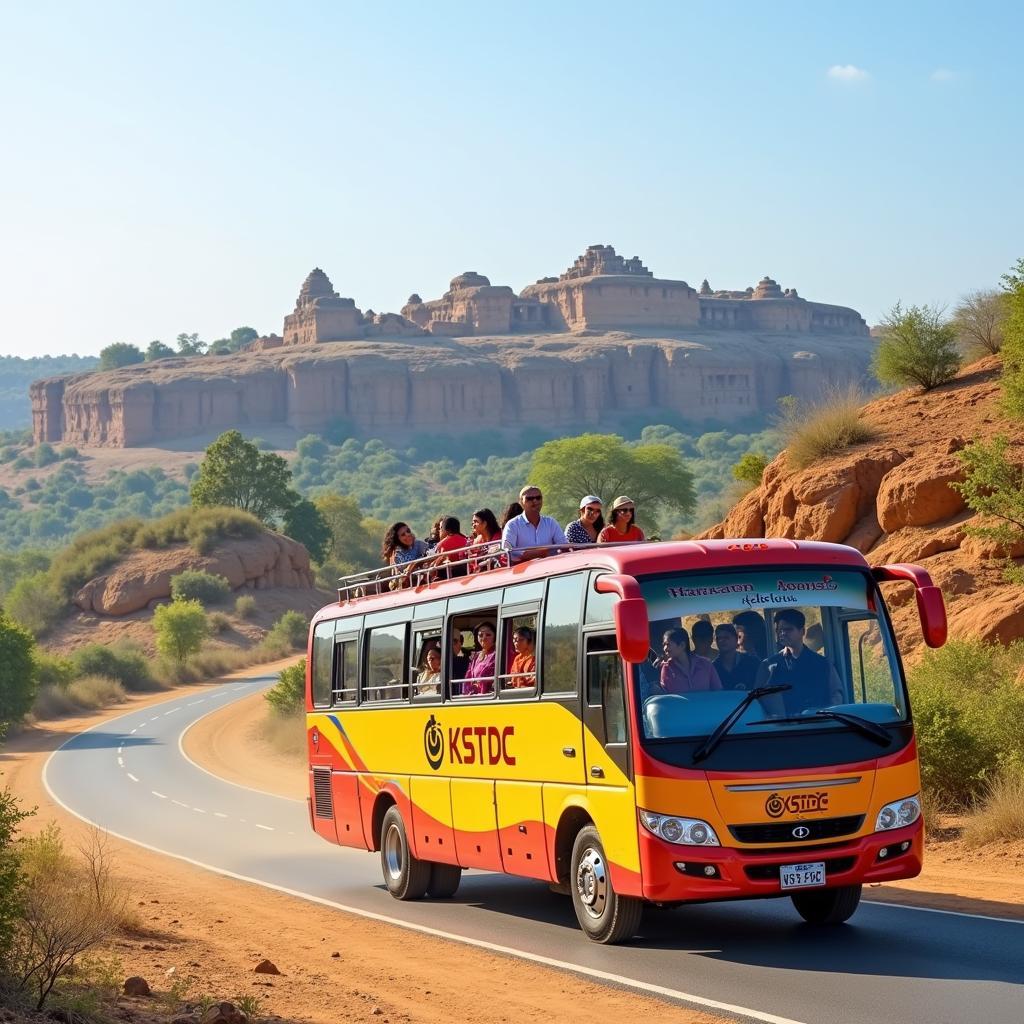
[{"x": 802, "y": 876}]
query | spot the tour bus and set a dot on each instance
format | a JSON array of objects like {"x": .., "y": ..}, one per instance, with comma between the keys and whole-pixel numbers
[{"x": 589, "y": 775}]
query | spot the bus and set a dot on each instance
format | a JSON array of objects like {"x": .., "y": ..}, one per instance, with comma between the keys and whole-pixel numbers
[{"x": 590, "y": 770}]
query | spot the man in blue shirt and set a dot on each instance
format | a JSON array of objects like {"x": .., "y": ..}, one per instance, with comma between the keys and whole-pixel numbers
[{"x": 531, "y": 529}]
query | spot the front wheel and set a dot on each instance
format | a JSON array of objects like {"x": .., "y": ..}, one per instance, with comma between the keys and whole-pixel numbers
[
  {"x": 603, "y": 914},
  {"x": 405, "y": 876},
  {"x": 827, "y": 906}
]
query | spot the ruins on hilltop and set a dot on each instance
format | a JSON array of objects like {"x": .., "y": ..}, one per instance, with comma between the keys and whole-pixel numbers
[{"x": 604, "y": 339}]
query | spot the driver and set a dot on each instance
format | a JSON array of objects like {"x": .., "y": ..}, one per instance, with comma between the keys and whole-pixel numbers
[{"x": 813, "y": 680}]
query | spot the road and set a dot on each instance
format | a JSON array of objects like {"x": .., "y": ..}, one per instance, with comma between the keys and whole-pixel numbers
[{"x": 752, "y": 959}]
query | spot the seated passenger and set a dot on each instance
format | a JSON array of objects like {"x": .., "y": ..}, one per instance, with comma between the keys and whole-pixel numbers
[
  {"x": 485, "y": 541},
  {"x": 401, "y": 549},
  {"x": 814, "y": 681},
  {"x": 531, "y": 535},
  {"x": 703, "y": 634},
  {"x": 429, "y": 680},
  {"x": 736, "y": 670},
  {"x": 480, "y": 672},
  {"x": 523, "y": 669},
  {"x": 623, "y": 525},
  {"x": 682, "y": 671},
  {"x": 460, "y": 661},
  {"x": 512, "y": 510},
  {"x": 451, "y": 548},
  {"x": 587, "y": 526}
]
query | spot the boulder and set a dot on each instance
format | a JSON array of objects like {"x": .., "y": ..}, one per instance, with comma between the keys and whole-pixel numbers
[
  {"x": 997, "y": 616},
  {"x": 266, "y": 967},
  {"x": 136, "y": 986},
  {"x": 223, "y": 1013},
  {"x": 917, "y": 492}
]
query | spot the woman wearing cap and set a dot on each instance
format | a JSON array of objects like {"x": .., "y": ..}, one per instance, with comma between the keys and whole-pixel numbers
[
  {"x": 586, "y": 527},
  {"x": 622, "y": 526}
]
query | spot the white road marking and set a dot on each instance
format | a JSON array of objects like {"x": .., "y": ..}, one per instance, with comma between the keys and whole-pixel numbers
[
  {"x": 135, "y": 730},
  {"x": 120, "y": 762},
  {"x": 198, "y": 810},
  {"x": 171, "y": 712},
  {"x": 132, "y": 777},
  {"x": 180, "y": 804},
  {"x": 219, "y": 814},
  {"x": 120, "y": 750},
  {"x": 156, "y": 794},
  {"x": 266, "y": 828}
]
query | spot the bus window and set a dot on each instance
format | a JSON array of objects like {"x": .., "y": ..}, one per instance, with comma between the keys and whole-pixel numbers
[
  {"x": 385, "y": 664},
  {"x": 518, "y": 653},
  {"x": 605, "y": 687},
  {"x": 560, "y": 639},
  {"x": 425, "y": 670},
  {"x": 523, "y": 592},
  {"x": 599, "y": 606},
  {"x": 346, "y": 670},
  {"x": 323, "y": 652},
  {"x": 479, "y": 633}
]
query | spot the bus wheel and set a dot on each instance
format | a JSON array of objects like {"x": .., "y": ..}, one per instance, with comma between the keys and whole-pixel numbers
[
  {"x": 603, "y": 915},
  {"x": 444, "y": 880},
  {"x": 827, "y": 906},
  {"x": 405, "y": 876}
]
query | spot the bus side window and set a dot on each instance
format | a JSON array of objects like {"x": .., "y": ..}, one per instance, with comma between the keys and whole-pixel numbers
[
  {"x": 385, "y": 664},
  {"x": 605, "y": 686},
  {"x": 323, "y": 652},
  {"x": 599, "y": 606},
  {"x": 519, "y": 655},
  {"x": 346, "y": 670},
  {"x": 425, "y": 670},
  {"x": 560, "y": 638}
]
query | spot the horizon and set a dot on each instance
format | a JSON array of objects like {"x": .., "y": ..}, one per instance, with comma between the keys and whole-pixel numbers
[{"x": 184, "y": 170}]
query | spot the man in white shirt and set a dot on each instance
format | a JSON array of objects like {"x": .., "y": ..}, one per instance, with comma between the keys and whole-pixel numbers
[{"x": 531, "y": 529}]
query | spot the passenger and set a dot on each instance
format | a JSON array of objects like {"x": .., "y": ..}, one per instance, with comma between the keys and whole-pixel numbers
[
  {"x": 623, "y": 526},
  {"x": 752, "y": 634},
  {"x": 480, "y": 672},
  {"x": 531, "y": 530},
  {"x": 584, "y": 529},
  {"x": 682, "y": 671},
  {"x": 460, "y": 661},
  {"x": 511, "y": 511},
  {"x": 736, "y": 670},
  {"x": 401, "y": 549},
  {"x": 434, "y": 537},
  {"x": 485, "y": 541},
  {"x": 429, "y": 680},
  {"x": 523, "y": 670},
  {"x": 451, "y": 548},
  {"x": 814, "y": 681},
  {"x": 703, "y": 634}
]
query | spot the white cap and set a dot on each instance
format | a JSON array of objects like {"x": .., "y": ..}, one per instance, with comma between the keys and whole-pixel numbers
[{"x": 590, "y": 499}]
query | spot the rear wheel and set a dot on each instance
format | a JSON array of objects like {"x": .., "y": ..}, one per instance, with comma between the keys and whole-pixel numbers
[
  {"x": 603, "y": 914},
  {"x": 405, "y": 876},
  {"x": 827, "y": 906},
  {"x": 444, "y": 880}
]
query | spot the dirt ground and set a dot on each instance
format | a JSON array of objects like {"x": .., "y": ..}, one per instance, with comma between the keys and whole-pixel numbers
[{"x": 207, "y": 933}]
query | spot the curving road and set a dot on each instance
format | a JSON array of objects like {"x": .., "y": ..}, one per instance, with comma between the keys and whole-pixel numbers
[{"x": 753, "y": 959}]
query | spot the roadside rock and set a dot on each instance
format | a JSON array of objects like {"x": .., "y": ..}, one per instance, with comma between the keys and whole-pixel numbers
[
  {"x": 266, "y": 967},
  {"x": 917, "y": 492},
  {"x": 136, "y": 986},
  {"x": 224, "y": 1013}
]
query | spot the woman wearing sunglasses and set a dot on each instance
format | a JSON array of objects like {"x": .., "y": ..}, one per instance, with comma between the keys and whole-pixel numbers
[
  {"x": 586, "y": 527},
  {"x": 623, "y": 525}
]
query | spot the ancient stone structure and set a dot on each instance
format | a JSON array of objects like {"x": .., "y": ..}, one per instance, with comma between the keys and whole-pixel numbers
[{"x": 556, "y": 355}]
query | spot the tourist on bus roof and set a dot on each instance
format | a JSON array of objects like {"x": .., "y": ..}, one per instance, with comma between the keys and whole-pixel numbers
[
  {"x": 623, "y": 526},
  {"x": 584, "y": 529},
  {"x": 401, "y": 549},
  {"x": 512, "y": 510},
  {"x": 452, "y": 546},
  {"x": 531, "y": 530},
  {"x": 485, "y": 541}
]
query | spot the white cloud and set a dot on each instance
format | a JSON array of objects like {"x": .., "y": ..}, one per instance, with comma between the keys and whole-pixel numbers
[
  {"x": 847, "y": 73},
  {"x": 943, "y": 75}
]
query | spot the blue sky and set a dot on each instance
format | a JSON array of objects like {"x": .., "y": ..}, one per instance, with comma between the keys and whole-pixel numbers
[{"x": 182, "y": 168}]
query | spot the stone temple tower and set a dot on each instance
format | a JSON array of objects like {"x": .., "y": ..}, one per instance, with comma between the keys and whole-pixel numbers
[{"x": 320, "y": 314}]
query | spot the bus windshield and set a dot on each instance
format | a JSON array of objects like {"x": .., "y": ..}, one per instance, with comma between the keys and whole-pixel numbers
[{"x": 816, "y": 638}]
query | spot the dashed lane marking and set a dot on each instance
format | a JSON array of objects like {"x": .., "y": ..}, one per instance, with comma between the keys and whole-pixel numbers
[
  {"x": 266, "y": 828},
  {"x": 132, "y": 777},
  {"x": 160, "y": 796}
]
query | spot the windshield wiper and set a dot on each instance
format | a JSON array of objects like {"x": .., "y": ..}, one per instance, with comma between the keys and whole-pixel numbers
[
  {"x": 705, "y": 749},
  {"x": 864, "y": 726}
]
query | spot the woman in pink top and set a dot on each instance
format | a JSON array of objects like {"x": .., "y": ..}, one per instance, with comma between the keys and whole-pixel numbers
[
  {"x": 622, "y": 526},
  {"x": 480, "y": 673},
  {"x": 682, "y": 671}
]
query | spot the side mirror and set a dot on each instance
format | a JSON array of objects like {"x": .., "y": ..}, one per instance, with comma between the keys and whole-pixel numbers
[
  {"x": 931, "y": 609},
  {"x": 630, "y": 615}
]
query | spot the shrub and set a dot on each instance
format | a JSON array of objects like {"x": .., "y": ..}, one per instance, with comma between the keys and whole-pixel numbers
[
  {"x": 181, "y": 628},
  {"x": 750, "y": 469},
  {"x": 11, "y": 881},
  {"x": 978, "y": 318},
  {"x": 1013, "y": 341},
  {"x": 96, "y": 692},
  {"x": 45, "y": 454},
  {"x": 1000, "y": 815},
  {"x": 124, "y": 662},
  {"x": 69, "y": 451},
  {"x": 245, "y": 606},
  {"x": 918, "y": 347},
  {"x": 288, "y": 695},
  {"x": 196, "y": 585},
  {"x": 52, "y": 702},
  {"x": 219, "y": 622},
  {"x": 17, "y": 671},
  {"x": 21, "y": 462},
  {"x": 292, "y": 630},
  {"x": 35, "y": 603},
  {"x": 53, "y": 669},
  {"x": 824, "y": 429}
]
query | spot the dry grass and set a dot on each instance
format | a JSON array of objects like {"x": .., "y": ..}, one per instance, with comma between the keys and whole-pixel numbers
[
  {"x": 89, "y": 693},
  {"x": 285, "y": 734},
  {"x": 1000, "y": 816},
  {"x": 826, "y": 428}
]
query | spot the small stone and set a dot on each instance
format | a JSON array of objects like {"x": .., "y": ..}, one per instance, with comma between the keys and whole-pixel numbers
[
  {"x": 266, "y": 967},
  {"x": 136, "y": 986},
  {"x": 377, "y": 1011},
  {"x": 335, "y": 955}
]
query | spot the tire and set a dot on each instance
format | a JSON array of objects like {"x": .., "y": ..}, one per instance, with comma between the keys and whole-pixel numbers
[
  {"x": 444, "y": 881},
  {"x": 405, "y": 876},
  {"x": 603, "y": 914},
  {"x": 827, "y": 906}
]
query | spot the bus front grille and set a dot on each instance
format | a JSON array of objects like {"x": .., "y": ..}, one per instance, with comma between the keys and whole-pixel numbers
[
  {"x": 782, "y": 832},
  {"x": 323, "y": 803},
  {"x": 768, "y": 872}
]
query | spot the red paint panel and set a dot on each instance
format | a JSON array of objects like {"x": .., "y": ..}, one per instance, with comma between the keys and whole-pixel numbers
[
  {"x": 433, "y": 839},
  {"x": 523, "y": 841},
  {"x": 347, "y": 819}
]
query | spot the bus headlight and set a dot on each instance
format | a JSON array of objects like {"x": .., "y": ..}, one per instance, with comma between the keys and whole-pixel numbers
[
  {"x": 684, "y": 831},
  {"x": 898, "y": 814}
]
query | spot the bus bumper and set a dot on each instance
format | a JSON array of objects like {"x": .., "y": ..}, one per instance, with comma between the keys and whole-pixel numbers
[{"x": 673, "y": 873}]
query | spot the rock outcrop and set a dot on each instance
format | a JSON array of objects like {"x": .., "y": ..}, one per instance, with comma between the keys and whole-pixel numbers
[{"x": 892, "y": 499}]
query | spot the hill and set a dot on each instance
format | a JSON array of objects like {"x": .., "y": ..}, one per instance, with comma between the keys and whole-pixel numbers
[{"x": 16, "y": 374}]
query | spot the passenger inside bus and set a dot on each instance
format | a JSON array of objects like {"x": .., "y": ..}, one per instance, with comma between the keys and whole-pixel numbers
[
  {"x": 683, "y": 670},
  {"x": 428, "y": 680},
  {"x": 522, "y": 670},
  {"x": 702, "y": 633},
  {"x": 735, "y": 669},
  {"x": 813, "y": 679},
  {"x": 479, "y": 677}
]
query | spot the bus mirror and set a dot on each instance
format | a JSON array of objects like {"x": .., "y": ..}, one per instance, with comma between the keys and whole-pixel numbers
[
  {"x": 630, "y": 614},
  {"x": 931, "y": 609}
]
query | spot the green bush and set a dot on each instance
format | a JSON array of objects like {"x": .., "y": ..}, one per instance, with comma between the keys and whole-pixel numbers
[
  {"x": 288, "y": 695},
  {"x": 11, "y": 878},
  {"x": 245, "y": 606},
  {"x": 36, "y": 603},
  {"x": 1013, "y": 341},
  {"x": 219, "y": 622},
  {"x": 750, "y": 469},
  {"x": 196, "y": 585},
  {"x": 53, "y": 669},
  {"x": 17, "y": 671},
  {"x": 45, "y": 454},
  {"x": 292, "y": 630},
  {"x": 123, "y": 662},
  {"x": 918, "y": 346},
  {"x": 181, "y": 628}
]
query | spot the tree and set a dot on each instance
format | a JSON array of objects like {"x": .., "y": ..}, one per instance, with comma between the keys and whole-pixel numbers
[
  {"x": 181, "y": 628},
  {"x": 11, "y": 876},
  {"x": 236, "y": 474},
  {"x": 220, "y": 347},
  {"x": 978, "y": 318},
  {"x": 750, "y": 468},
  {"x": 158, "y": 350},
  {"x": 190, "y": 345},
  {"x": 121, "y": 353},
  {"x": 288, "y": 695},
  {"x": 353, "y": 546},
  {"x": 1013, "y": 341},
  {"x": 17, "y": 671},
  {"x": 653, "y": 475},
  {"x": 304, "y": 523},
  {"x": 918, "y": 347},
  {"x": 242, "y": 336}
]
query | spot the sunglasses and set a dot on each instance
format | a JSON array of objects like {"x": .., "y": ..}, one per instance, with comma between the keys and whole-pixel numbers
[
  {"x": 533, "y": 497},
  {"x": 594, "y": 510}
]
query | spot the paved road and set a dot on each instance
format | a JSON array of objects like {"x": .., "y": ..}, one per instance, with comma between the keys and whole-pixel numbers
[{"x": 756, "y": 959}]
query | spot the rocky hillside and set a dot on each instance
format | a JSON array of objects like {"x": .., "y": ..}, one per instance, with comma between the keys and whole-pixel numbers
[{"x": 891, "y": 499}]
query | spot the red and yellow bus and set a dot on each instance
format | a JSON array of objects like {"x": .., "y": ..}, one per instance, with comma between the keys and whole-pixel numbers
[{"x": 589, "y": 775}]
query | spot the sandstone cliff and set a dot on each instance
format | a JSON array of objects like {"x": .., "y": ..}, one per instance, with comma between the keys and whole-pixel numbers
[{"x": 892, "y": 500}]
